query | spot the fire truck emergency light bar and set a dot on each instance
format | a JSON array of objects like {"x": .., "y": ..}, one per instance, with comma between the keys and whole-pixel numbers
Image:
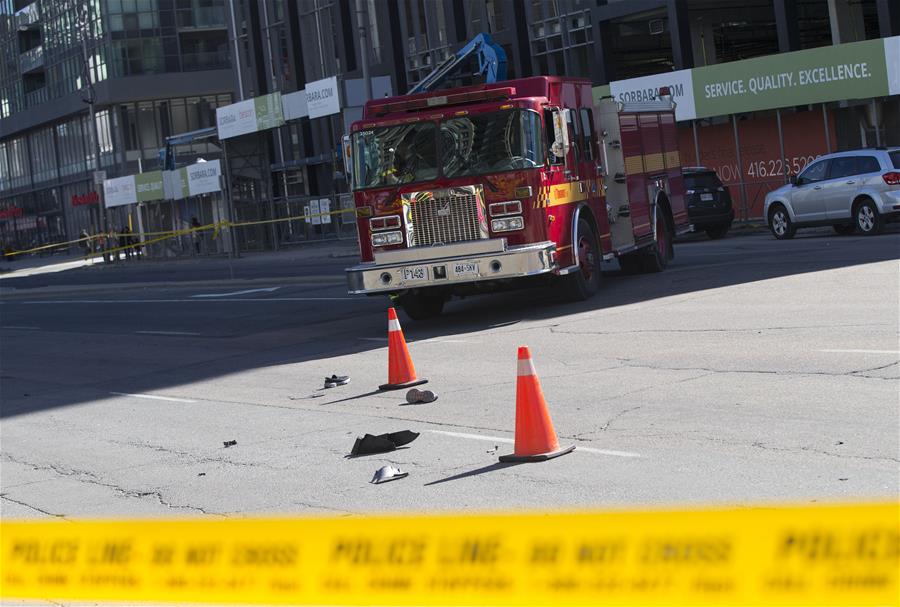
[{"x": 380, "y": 109}]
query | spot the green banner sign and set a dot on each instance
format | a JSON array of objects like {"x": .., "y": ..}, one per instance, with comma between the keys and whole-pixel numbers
[
  {"x": 268, "y": 111},
  {"x": 149, "y": 186},
  {"x": 831, "y": 73}
]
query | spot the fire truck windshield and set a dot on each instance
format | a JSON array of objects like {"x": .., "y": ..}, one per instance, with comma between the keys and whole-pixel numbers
[
  {"x": 395, "y": 155},
  {"x": 469, "y": 145},
  {"x": 491, "y": 143}
]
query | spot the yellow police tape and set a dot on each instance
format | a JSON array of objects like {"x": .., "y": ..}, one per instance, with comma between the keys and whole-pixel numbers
[
  {"x": 820, "y": 555},
  {"x": 160, "y": 236}
]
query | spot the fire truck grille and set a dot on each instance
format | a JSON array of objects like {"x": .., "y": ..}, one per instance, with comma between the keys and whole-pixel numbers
[{"x": 446, "y": 219}]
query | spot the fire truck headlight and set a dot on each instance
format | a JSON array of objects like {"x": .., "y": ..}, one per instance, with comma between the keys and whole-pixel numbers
[
  {"x": 377, "y": 224},
  {"x": 383, "y": 239},
  {"x": 510, "y": 207},
  {"x": 507, "y": 224}
]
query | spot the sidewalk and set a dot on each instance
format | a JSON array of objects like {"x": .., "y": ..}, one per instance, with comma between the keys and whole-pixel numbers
[{"x": 297, "y": 255}]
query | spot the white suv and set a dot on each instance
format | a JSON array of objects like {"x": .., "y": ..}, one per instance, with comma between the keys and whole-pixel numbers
[{"x": 857, "y": 190}]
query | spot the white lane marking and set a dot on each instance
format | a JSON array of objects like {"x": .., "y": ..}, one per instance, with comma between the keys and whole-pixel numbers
[
  {"x": 22, "y": 328},
  {"x": 154, "y": 397},
  {"x": 863, "y": 351},
  {"x": 498, "y": 439},
  {"x": 166, "y": 333},
  {"x": 156, "y": 301},
  {"x": 433, "y": 340},
  {"x": 247, "y": 292}
]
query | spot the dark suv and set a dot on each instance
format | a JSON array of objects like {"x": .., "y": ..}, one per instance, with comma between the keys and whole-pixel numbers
[{"x": 708, "y": 201}]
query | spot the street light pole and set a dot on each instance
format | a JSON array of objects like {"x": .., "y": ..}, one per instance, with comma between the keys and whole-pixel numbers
[
  {"x": 89, "y": 85},
  {"x": 362, "y": 25}
]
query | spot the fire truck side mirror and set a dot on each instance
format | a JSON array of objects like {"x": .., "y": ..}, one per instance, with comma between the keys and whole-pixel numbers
[
  {"x": 347, "y": 153},
  {"x": 561, "y": 144}
]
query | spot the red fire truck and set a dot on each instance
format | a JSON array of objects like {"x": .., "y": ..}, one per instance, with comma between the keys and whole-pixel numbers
[{"x": 474, "y": 189}]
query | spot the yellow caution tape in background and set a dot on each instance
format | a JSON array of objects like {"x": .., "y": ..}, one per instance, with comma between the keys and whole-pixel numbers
[
  {"x": 821, "y": 555},
  {"x": 165, "y": 235}
]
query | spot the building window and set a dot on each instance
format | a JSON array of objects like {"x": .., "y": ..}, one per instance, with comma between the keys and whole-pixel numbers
[
  {"x": 70, "y": 144},
  {"x": 43, "y": 155},
  {"x": 17, "y": 157}
]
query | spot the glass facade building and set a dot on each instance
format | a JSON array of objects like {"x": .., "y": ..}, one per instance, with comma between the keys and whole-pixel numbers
[
  {"x": 161, "y": 67},
  {"x": 283, "y": 46},
  {"x": 156, "y": 68}
]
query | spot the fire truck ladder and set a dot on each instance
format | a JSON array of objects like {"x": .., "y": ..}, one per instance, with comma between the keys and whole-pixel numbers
[{"x": 491, "y": 63}]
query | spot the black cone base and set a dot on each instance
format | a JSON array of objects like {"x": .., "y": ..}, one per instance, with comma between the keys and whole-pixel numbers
[
  {"x": 540, "y": 457},
  {"x": 418, "y": 382}
]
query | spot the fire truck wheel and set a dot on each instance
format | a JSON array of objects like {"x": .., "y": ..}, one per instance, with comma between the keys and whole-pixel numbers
[
  {"x": 584, "y": 282},
  {"x": 422, "y": 306},
  {"x": 656, "y": 257}
]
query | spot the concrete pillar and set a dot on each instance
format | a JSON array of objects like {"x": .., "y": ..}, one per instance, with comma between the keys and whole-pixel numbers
[
  {"x": 703, "y": 42},
  {"x": 601, "y": 68},
  {"x": 846, "y": 19},
  {"x": 888, "y": 18},
  {"x": 680, "y": 31},
  {"x": 786, "y": 25}
]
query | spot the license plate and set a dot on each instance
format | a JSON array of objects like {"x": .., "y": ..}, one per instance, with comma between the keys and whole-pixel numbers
[
  {"x": 465, "y": 268},
  {"x": 706, "y": 196},
  {"x": 415, "y": 273}
]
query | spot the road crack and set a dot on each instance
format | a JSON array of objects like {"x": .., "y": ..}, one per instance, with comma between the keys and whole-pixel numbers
[
  {"x": 35, "y": 508},
  {"x": 89, "y": 478}
]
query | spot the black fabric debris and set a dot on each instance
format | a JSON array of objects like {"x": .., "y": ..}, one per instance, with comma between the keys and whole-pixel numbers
[{"x": 382, "y": 443}]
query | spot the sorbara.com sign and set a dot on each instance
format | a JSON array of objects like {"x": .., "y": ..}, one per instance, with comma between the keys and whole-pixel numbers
[
  {"x": 322, "y": 97},
  {"x": 858, "y": 70},
  {"x": 249, "y": 116},
  {"x": 646, "y": 88}
]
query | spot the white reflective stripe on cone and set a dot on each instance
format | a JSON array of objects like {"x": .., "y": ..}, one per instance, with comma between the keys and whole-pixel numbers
[
  {"x": 393, "y": 324},
  {"x": 526, "y": 367}
]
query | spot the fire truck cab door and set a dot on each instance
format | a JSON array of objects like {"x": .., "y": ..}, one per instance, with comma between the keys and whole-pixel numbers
[
  {"x": 614, "y": 182},
  {"x": 562, "y": 145}
]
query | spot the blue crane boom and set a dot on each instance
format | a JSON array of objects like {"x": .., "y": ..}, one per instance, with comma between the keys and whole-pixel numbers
[{"x": 491, "y": 63}]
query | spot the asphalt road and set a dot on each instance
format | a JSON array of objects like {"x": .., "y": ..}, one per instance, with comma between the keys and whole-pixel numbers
[{"x": 750, "y": 371}]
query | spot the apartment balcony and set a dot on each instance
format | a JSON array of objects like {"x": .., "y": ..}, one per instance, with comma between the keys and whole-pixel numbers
[
  {"x": 36, "y": 97},
  {"x": 31, "y": 60},
  {"x": 193, "y": 62},
  {"x": 209, "y": 17},
  {"x": 29, "y": 16}
]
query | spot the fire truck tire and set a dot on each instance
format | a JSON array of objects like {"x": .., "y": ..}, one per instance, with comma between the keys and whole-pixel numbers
[
  {"x": 422, "y": 306},
  {"x": 585, "y": 282},
  {"x": 656, "y": 257}
]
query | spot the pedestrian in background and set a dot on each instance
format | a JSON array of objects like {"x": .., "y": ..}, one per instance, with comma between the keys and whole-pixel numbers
[
  {"x": 127, "y": 241},
  {"x": 195, "y": 233},
  {"x": 112, "y": 242},
  {"x": 85, "y": 243}
]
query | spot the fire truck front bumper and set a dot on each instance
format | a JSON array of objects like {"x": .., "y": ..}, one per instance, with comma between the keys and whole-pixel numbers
[{"x": 448, "y": 265}]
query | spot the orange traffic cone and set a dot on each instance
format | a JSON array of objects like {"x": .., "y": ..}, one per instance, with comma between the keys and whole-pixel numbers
[
  {"x": 535, "y": 437},
  {"x": 401, "y": 372}
]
